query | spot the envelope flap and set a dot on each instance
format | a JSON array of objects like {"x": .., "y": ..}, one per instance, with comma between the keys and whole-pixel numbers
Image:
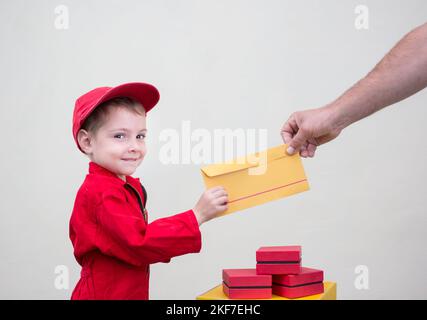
[
  {"x": 223, "y": 168},
  {"x": 250, "y": 161}
]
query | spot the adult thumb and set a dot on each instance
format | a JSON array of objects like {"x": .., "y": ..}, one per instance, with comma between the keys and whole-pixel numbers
[{"x": 297, "y": 141}]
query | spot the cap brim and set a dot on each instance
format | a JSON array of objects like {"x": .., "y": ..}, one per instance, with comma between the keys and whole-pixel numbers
[{"x": 144, "y": 93}]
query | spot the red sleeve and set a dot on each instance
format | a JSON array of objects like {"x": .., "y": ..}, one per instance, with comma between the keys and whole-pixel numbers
[{"x": 124, "y": 234}]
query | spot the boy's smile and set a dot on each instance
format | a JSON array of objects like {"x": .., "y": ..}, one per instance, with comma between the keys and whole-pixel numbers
[{"x": 119, "y": 144}]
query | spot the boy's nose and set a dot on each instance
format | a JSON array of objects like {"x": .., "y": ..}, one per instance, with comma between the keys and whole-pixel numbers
[
  {"x": 135, "y": 146},
  {"x": 134, "y": 149}
]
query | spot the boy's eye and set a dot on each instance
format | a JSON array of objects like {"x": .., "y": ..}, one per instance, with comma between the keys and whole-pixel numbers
[{"x": 121, "y": 136}]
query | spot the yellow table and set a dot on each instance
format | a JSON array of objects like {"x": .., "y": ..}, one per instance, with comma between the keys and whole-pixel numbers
[{"x": 329, "y": 294}]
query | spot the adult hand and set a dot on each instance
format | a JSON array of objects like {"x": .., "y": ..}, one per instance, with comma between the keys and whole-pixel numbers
[
  {"x": 305, "y": 130},
  {"x": 400, "y": 74}
]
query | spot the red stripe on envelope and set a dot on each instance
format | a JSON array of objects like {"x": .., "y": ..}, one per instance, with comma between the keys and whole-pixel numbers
[{"x": 258, "y": 193}]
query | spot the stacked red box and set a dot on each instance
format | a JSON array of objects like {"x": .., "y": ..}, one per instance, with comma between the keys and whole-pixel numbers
[
  {"x": 279, "y": 271},
  {"x": 246, "y": 284},
  {"x": 278, "y": 260},
  {"x": 308, "y": 282}
]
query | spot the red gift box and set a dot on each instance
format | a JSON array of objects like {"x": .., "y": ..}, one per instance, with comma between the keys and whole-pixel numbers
[
  {"x": 306, "y": 283},
  {"x": 278, "y": 260},
  {"x": 246, "y": 284}
]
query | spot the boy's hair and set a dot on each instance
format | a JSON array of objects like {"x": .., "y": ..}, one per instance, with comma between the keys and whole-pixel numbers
[{"x": 98, "y": 116}]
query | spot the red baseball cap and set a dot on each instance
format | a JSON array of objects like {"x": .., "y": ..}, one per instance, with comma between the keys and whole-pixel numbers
[{"x": 144, "y": 93}]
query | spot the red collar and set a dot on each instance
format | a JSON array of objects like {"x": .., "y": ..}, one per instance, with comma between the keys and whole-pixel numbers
[{"x": 95, "y": 168}]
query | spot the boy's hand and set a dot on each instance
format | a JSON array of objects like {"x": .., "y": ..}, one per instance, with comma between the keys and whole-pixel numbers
[{"x": 211, "y": 203}]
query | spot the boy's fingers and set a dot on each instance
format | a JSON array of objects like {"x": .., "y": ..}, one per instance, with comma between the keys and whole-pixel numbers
[
  {"x": 215, "y": 189},
  {"x": 221, "y": 200},
  {"x": 220, "y": 193},
  {"x": 222, "y": 208}
]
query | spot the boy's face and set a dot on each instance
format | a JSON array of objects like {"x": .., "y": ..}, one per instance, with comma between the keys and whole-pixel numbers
[{"x": 119, "y": 144}]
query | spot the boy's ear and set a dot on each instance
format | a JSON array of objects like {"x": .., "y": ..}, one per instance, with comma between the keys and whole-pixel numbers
[{"x": 85, "y": 141}]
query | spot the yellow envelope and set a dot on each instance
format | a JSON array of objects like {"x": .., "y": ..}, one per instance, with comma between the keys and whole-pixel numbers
[{"x": 258, "y": 178}]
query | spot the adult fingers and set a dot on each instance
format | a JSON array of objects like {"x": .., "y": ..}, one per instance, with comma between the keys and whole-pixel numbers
[
  {"x": 289, "y": 129},
  {"x": 298, "y": 140},
  {"x": 311, "y": 149}
]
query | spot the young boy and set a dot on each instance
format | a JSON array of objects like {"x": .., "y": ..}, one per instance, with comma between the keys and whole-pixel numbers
[{"x": 109, "y": 229}]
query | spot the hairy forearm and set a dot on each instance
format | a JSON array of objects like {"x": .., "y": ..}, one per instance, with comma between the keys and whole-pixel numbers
[{"x": 400, "y": 74}]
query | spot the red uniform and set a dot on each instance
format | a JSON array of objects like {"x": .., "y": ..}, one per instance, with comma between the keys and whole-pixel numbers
[{"x": 113, "y": 242}]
